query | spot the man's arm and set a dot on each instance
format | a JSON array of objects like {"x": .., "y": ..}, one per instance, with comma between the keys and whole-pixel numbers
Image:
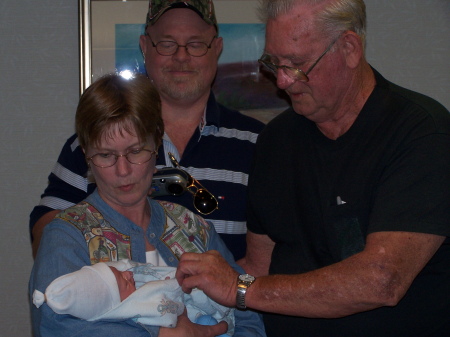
[
  {"x": 257, "y": 258},
  {"x": 38, "y": 229},
  {"x": 67, "y": 185},
  {"x": 247, "y": 323},
  {"x": 378, "y": 276}
]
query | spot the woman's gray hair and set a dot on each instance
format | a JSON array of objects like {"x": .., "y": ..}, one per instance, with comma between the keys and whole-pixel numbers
[{"x": 334, "y": 16}]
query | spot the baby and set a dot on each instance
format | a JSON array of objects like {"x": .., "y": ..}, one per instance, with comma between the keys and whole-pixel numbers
[{"x": 126, "y": 289}]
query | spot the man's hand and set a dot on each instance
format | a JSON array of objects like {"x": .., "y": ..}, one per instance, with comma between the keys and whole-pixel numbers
[
  {"x": 185, "y": 328},
  {"x": 209, "y": 272}
]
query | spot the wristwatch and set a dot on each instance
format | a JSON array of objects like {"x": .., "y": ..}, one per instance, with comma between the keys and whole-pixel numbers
[{"x": 244, "y": 282}]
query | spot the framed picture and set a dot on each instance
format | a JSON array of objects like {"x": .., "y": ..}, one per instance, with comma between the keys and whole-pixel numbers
[{"x": 109, "y": 42}]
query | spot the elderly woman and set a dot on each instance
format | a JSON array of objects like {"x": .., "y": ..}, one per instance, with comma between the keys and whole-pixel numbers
[{"x": 119, "y": 126}]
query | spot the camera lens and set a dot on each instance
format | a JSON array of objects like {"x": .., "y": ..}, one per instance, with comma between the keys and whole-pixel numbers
[{"x": 175, "y": 189}]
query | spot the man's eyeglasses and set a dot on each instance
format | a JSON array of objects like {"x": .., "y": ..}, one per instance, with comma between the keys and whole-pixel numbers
[
  {"x": 204, "y": 201},
  {"x": 137, "y": 156},
  {"x": 293, "y": 73},
  {"x": 168, "y": 48}
]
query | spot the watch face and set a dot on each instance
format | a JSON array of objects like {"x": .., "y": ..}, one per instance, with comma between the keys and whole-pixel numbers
[{"x": 246, "y": 278}]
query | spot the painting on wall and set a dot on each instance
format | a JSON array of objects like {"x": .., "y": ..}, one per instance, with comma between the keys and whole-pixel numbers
[{"x": 109, "y": 38}]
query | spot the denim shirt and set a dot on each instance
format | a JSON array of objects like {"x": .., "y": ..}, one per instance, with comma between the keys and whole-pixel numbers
[{"x": 63, "y": 250}]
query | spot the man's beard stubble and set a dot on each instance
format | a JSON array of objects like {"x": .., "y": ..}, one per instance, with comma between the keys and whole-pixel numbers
[{"x": 179, "y": 89}]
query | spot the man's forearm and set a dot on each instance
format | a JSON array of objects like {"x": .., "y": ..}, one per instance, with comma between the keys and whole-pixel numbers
[
  {"x": 310, "y": 295},
  {"x": 378, "y": 276},
  {"x": 38, "y": 229},
  {"x": 257, "y": 258}
]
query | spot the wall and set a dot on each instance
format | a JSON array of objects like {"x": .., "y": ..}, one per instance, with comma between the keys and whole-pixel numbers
[
  {"x": 38, "y": 96},
  {"x": 408, "y": 42}
]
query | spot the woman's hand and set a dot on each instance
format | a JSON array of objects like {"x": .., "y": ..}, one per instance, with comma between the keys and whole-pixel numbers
[{"x": 185, "y": 328}]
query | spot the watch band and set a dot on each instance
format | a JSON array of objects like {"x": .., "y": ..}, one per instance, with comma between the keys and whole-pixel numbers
[{"x": 244, "y": 282}]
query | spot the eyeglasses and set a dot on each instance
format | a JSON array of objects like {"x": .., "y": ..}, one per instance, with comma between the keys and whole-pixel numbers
[
  {"x": 204, "y": 201},
  {"x": 293, "y": 73},
  {"x": 137, "y": 156},
  {"x": 168, "y": 48}
]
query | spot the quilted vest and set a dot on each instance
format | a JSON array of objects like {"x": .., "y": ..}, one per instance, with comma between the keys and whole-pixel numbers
[{"x": 183, "y": 232}]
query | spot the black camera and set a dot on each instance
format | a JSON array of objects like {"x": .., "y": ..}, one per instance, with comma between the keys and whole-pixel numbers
[{"x": 169, "y": 181}]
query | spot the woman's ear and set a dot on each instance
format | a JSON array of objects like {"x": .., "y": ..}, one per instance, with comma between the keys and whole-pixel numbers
[
  {"x": 353, "y": 48},
  {"x": 87, "y": 161}
]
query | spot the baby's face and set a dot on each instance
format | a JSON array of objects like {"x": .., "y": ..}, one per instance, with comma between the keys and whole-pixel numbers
[{"x": 125, "y": 281}]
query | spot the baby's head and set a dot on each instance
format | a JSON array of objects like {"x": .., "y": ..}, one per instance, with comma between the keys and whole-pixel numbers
[
  {"x": 125, "y": 282},
  {"x": 90, "y": 291}
]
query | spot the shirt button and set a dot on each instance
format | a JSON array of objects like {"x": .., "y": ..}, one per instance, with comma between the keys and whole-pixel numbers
[{"x": 152, "y": 235}]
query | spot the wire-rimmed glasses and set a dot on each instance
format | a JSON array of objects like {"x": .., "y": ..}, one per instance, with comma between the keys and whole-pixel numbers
[
  {"x": 204, "y": 201},
  {"x": 169, "y": 48},
  {"x": 294, "y": 73},
  {"x": 108, "y": 159}
]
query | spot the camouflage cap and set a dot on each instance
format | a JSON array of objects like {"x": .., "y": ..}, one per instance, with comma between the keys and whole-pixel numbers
[{"x": 204, "y": 8}]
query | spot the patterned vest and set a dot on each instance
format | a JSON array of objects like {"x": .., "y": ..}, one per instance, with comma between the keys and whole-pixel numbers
[{"x": 183, "y": 232}]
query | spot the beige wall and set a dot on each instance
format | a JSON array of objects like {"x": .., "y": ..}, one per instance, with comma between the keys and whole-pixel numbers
[{"x": 408, "y": 42}]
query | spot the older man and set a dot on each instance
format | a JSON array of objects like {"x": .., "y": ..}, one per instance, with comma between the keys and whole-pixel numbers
[
  {"x": 352, "y": 239},
  {"x": 214, "y": 144}
]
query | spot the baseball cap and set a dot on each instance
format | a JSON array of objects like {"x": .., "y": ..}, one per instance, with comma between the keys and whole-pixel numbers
[{"x": 204, "y": 8}]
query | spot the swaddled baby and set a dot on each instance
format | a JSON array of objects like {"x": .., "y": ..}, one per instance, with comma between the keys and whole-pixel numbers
[{"x": 126, "y": 289}]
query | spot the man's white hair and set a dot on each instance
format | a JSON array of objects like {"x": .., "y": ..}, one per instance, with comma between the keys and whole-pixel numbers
[{"x": 332, "y": 16}]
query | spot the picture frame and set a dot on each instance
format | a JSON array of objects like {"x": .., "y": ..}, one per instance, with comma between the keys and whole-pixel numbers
[{"x": 109, "y": 42}]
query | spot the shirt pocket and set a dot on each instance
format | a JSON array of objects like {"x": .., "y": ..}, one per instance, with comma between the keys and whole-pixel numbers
[{"x": 343, "y": 230}]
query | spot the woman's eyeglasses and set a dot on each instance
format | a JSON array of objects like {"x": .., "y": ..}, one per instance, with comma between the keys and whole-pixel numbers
[
  {"x": 136, "y": 156},
  {"x": 204, "y": 201}
]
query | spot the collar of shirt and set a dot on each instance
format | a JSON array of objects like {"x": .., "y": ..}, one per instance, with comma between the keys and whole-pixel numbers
[{"x": 212, "y": 111}]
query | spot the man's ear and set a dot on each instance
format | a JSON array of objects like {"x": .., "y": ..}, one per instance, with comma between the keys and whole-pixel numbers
[
  {"x": 219, "y": 45},
  {"x": 352, "y": 48},
  {"x": 143, "y": 43}
]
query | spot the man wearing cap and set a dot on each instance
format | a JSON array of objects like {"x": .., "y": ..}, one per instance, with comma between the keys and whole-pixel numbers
[{"x": 214, "y": 144}]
